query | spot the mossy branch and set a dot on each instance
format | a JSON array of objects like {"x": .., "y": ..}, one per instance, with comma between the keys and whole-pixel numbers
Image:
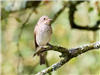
[{"x": 68, "y": 54}]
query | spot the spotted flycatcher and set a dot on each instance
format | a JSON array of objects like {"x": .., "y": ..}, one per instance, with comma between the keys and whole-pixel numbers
[{"x": 42, "y": 35}]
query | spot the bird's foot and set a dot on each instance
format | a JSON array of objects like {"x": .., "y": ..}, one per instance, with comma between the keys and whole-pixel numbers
[{"x": 49, "y": 45}]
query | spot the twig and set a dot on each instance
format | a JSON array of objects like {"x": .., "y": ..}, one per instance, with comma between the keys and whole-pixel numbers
[
  {"x": 58, "y": 13},
  {"x": 70, "y": 53}
]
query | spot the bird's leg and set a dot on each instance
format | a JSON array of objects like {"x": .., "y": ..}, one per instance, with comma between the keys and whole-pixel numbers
[
  {"x": 49, "y": 45},
  {"x": 42, "y": 49},
  {"x": 45, "y": 47}
]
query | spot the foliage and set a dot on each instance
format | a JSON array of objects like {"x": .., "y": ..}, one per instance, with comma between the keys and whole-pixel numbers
[{"x": 18, "y": 58}]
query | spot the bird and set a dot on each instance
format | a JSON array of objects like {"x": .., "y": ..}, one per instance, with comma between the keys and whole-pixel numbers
[{"x": 42, "y": 35}]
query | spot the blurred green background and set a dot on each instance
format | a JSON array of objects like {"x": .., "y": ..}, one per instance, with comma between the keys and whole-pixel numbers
[{"x": 12, "y": 18}]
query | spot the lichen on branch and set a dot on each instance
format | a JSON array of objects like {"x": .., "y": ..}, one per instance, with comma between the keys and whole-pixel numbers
[{"x": 68, "y": 55}]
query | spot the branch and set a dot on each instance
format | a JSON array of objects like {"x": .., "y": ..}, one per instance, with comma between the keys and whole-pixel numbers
[
  {"x": 30, "y": 4},
  {"x": 72, "y": 10},
  {"x": 68, "y": 55},
  {"x": 58, "y": 13}
]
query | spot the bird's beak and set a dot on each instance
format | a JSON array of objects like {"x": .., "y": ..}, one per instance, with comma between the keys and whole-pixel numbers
[{"x": 50, "y": 19}]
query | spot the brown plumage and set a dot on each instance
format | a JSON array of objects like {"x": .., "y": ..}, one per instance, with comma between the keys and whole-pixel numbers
[{"x": 42, "y": 35}]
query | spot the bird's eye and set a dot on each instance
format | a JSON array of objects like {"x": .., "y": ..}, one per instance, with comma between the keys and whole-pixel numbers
[{"x": 44, "y": 18}]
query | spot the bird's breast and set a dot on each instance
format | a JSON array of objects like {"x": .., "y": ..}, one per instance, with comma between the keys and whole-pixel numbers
[{"x": 43, "y": 35}]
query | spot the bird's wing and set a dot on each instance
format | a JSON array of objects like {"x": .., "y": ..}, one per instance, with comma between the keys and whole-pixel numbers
[{"x": 36, "y": 45}]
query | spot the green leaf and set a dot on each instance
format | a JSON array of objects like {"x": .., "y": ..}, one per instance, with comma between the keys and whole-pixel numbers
[
  {"x": 18, "y": 20},
  {"x": 90, "y": 9}
]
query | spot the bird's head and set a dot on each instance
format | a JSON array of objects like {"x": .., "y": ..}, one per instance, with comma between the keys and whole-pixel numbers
[{"x": 44, "y": 20}]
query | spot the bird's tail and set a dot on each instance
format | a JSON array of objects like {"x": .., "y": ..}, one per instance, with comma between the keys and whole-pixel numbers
[{"x": 42, "y": 58}]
